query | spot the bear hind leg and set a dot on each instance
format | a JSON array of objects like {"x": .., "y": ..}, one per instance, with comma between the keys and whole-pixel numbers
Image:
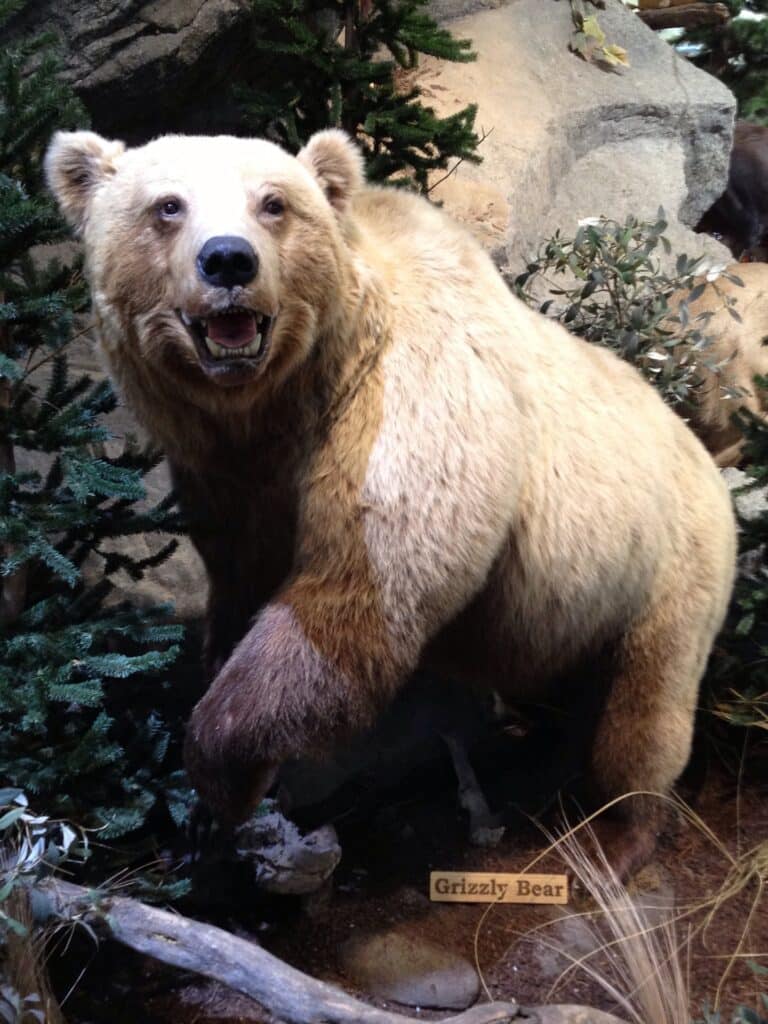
[{"x": 645, "y": 731}]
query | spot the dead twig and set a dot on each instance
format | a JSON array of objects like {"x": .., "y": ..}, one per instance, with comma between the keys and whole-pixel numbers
[{"x": 484, "y": 135}]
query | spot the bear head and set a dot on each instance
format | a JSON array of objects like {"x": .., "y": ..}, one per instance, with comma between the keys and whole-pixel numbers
[{"x": 215, "y": 264}]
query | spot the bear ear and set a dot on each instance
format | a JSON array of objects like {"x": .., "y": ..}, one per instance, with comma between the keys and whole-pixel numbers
[
  {"x": 333, "y": 159},
  {"x": 75, "y": 165}
]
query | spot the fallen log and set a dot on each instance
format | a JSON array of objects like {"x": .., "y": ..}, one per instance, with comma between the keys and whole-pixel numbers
[
  {"x": 655, "y": 4},
  {"x": 244, "y": 966},
  {"x": 692, "y": 15}
]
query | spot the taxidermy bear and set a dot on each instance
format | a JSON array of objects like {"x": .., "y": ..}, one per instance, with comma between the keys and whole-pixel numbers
[{"x": 388, "y": 461}]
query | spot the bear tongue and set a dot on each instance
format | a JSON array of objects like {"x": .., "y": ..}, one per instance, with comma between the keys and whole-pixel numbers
[{"x": 232, "y": 330}]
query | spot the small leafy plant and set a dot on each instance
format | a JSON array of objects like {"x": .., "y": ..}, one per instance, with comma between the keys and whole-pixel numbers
[
  {"x": 744, "y": 1014},
  {"x": 32, "y": 847},
  {"x": 606, "y": 284}
]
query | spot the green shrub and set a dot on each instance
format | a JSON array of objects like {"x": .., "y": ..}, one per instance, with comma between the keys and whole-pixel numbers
[
  {"x": 607, "y": 285},
  {"x": 744, "y": 1014},
  {"x": 737, "y": 54}
]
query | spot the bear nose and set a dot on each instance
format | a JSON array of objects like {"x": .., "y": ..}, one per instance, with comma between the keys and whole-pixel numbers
[{"x": 226, "y": 261}]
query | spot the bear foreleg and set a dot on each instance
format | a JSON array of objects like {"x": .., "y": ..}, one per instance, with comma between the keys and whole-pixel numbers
[{"x": 314, "y": 667}]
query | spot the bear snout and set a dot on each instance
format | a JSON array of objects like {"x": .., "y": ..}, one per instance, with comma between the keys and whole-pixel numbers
[{"x": 227, "y": 261}]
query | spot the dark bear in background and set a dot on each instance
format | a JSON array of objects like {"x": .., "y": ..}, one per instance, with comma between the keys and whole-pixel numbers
[{"x": 740, "y": 215}]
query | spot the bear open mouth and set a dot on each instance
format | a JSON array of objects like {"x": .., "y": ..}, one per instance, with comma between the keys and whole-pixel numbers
[{"x": 235, "y": 334}]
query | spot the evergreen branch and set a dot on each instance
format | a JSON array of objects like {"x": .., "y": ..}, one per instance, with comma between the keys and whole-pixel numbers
[
  {"x": 14, "y": 586},
  {"x": 81, "y": 723},
  {"x": 54, "y": 353}
]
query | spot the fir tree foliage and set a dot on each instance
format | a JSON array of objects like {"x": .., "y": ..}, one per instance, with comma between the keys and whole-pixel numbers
[
  {"x": 319, "y": 65},
  {"x": 737, "y": 53},
  {"x": 71, "y": 656}
]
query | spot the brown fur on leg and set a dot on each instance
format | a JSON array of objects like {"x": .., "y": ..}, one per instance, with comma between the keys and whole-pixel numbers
[
  {"x": 643, "y": 739},
  {"x": 278, "y": 696},
  {"x": 233, "y": 785}
]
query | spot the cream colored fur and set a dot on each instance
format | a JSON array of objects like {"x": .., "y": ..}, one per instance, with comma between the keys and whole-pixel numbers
[{"x": 474, "y": 489}]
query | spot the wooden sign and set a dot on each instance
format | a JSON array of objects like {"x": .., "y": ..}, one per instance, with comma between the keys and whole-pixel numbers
[{"x": 496, "y": 887}]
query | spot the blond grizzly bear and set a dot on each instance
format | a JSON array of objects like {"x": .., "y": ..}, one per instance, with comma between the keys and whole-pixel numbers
[{"x": 389, "y": 462}]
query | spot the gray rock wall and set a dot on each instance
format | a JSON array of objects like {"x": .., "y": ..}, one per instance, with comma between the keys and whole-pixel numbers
[{"x": 568, "y": 140}]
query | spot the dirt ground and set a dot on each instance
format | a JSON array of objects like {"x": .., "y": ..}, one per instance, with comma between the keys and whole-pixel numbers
[
  {"x": 383, "y": 880},
  {"x": 382, "y": 887}
]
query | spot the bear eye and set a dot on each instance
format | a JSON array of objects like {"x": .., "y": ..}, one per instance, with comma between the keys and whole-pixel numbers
[
  {"x": 274, "y": 206},
  {"x": 169, "y": 208}
]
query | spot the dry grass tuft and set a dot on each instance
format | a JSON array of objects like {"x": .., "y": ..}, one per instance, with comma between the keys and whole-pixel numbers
[{"x": 635, "y": 952}]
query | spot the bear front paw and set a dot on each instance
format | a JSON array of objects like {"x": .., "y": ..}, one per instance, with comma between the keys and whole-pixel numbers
[
  {"x": 274, "y": 699},
  {"x": 229, "y": 777}
]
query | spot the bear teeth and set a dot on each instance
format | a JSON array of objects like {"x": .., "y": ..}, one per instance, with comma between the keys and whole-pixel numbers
[
  {"x": 198, "y": 326},
  {"x": 190, "y": 321},
  {"x": 238, "y": 311},
  {"x": 223, "y": 352}
]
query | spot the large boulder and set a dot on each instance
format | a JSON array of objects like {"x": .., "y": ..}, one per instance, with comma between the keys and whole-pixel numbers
[{"x": 566, "y": 139}]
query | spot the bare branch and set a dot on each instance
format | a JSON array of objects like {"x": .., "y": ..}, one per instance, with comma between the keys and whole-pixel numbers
[
  {"x": 290, "y": 995},
  {"x": 458, "y": 163}
]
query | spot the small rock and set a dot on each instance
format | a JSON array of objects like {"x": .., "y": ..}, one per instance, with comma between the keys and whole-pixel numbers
[
  {"x": 750, "y": 504},
  {"x": 284, "y": 861},
  {"x": 486, "y": 836},
  {"x": 394, "y": 965},
  {"x": 567, "y": 1014}
]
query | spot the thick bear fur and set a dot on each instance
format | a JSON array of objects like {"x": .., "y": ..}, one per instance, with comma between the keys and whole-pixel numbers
[{"x": 416, "y": 470}]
